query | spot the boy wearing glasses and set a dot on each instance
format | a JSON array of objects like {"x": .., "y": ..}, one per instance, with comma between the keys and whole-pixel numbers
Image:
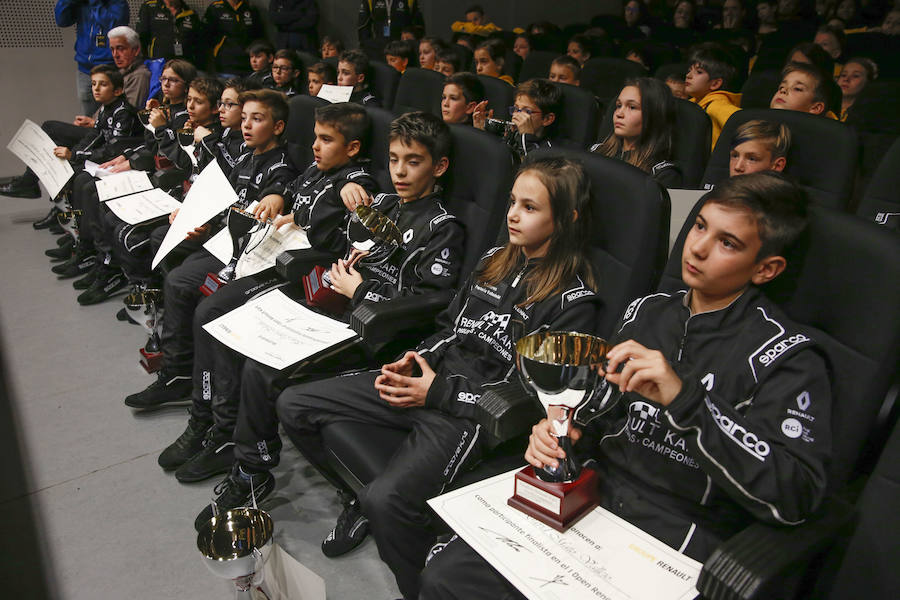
[
  {"x": 533, "y": 116},
  {"x": 285, "y": 70}
]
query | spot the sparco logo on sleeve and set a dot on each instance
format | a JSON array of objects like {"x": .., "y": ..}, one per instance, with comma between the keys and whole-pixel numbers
[
  {"x": 780, "y": 347},
  {"x": 747, "y": 440}
]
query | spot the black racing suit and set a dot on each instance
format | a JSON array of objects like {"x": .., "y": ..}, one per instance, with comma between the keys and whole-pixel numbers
[
  {"x": 226, "y": 146},
  {"x": 254, "y": 176},
  {"x": 365, "y": 97},
  {"x": 228, "y": 32},
  {"x": 263, "y": 78},
  {"x": 748, "y": 437},
  {"x": 473, "y": 350},
  {"x": 314, "y": 199},
  {"x": 164, "y": 35}
]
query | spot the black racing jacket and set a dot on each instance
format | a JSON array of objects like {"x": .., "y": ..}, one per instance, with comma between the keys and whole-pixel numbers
[
  {"x": 365, "y": 97},
  {"x": 315, "y": 200},
  {"x": 164, "y": 35},
  {"x": 747, "y": 438},
  {"x": 474, "y": 348},
  {"x": 255, "y": 176},
  {"x": 116, "y": 129},
  {"x": 167, "y": 140},
  {"x": 666, "y": 172},
  {"x": 142, "y": 157},
  {"x": 229, "y": 31},
  {"x": 290, "y": 90},
  {"x": 428, "y": 259},
  {"x": 263, "y": 78},
  {"x": 225, "y": 146}
]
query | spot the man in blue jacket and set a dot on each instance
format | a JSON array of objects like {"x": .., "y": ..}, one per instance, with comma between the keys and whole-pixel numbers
[{"x": 92, "y": 20}]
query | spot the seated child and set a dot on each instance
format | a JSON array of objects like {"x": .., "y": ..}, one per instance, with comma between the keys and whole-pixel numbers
[
  {"x": 462, "y": 93},
  {"x": 683, "y": 365},
  {"x": 261, "y": 56},
  {"x": 579, "y": 48},
  {"x": 205, "y": 448},
  {"x": 260, "y": 175},
  {"x": 831, "y": 40},
  {"x": 522, "y": 45},
  {"x": 534, "y": 115},
  {"x": 285, "y": 70},
  {"x": 855, "y": 75},
  {"x": 813, "y": 54},
  {"x": 331, "y": 47},
  {"x": 803, "y": 88},
  {"x": 428, "y": 49},
  {"x": 318, "y": 75},
  {"x": 565, "y": 69},
  {"x": 643, "y": 129},
  {"x": 447, "y": 62},
  {"x": 759, "y": 146},
  {"x": 711, "y": 72},
  {"x": 489, "y": 57},
  {"x": 428, "y": 262},
  {"x": 398, "y": 55},
  {"x": 522, "y": 287},
  {"x": 353, "y": 70}
]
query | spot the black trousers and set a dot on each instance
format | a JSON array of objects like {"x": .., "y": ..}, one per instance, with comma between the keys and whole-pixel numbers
[
  {"x": 217, "y": 368},
  {"x": 456, "y": 571},
  {"x": 437, "y": 447}
]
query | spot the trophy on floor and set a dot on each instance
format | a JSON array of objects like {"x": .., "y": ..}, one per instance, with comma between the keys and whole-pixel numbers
[
  {"x": 235, "y": 545},
  {"x": 374, "y": 236},
  {"x": 143, "y": 305},
  {"x": 239, "y": 223},
  {"x": 562, "y": 368}
]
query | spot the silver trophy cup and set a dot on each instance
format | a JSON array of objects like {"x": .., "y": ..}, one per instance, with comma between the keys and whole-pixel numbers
[{"x": 236, "y": 544}]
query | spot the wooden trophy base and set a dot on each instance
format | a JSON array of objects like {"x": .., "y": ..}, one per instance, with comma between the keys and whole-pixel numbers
[
  {"x": 558, "y": 505},
  {"x": 321, "y": 296},
  {"x": 151, "y": 361},
  {"x": 211, "y": 284}
]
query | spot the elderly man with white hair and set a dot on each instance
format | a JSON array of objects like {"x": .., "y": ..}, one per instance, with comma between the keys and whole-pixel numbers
[{"x": 125, "y": 46}]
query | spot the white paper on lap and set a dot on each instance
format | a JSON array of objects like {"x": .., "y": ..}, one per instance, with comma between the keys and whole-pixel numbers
[
  {"x": 265, "y": 246},
  {"x": 95, "y": 171},
  {"x": 33, "y": 146},
  {"x": 601, "y": 557},
  {"x": 336, "y": 93},
  {"x": 209, "y": 195},
  {"x": 143, "y": 206},
  {"x": 122, "y": 184},
  {"x": 277, "y": 331}
]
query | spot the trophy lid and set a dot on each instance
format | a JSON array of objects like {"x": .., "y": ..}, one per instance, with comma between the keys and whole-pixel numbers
[
  {"x": 378, "y": 225},
  {"x": 563, "y": 348}
]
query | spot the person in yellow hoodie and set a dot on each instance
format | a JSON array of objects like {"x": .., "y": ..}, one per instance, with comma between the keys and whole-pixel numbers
[
  {"x": 805, "y": 88},
  {"x": 712, "y": 70}
]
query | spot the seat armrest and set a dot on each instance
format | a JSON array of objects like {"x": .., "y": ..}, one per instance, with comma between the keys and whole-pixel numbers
[
  {"x": 378, "y": 322},
  {"x": 766, "y": 561},
  {"x": 293, "y": 265},
  {"x": 507, "y": 411}
]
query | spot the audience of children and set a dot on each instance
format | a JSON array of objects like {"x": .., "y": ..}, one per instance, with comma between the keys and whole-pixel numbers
[{"x": 856, "y": 74}]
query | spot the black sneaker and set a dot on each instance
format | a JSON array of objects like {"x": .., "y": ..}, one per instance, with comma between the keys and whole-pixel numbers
[
  {"x": 216, "y": 457},
  {"x": 236, "y": 490},
  {"x": 56, "y": 229},
  {"x": 47, "y": 220},
  {"x": 20, "y": 188},
  {"x": 86, "y": 281},
  {"x": 351, "y": 529},
  {"x": 80, "y": 263},
  {"x": 186, "y": 446},
  {"x": 166, "y": 389},
  {"x": 109, "y": 281},
  {"x": 62, "y": 251},
  {"x": 123, "y": 316}
]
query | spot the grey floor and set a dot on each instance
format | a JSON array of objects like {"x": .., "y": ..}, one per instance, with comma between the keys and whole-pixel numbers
[{"x": 113, "y": 524}]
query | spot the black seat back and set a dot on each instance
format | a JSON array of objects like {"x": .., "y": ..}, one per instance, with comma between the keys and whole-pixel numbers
[
  {"x": 378, "y": 147},
  {"x": 419, "y": 89},
  {"x": 757, "y": 92},
  {"x": 384, "y": 82},
  {"x": 299, "y": 132},
  {"x": 881, "y": 201},
  {"x": 580, "y": 116},
  {"x": 605, "y": 76},
  {"x": 499, "y": 94},
  {"x": 537, "y": 64},
  {"x": 822, "y": 157}
]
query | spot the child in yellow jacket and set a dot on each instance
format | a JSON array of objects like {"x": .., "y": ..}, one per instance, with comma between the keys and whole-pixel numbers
[{"x": 712, "y": 70}]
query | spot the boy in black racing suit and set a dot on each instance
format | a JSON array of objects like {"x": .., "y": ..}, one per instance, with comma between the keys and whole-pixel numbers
[{"x": 726, "y": 423}]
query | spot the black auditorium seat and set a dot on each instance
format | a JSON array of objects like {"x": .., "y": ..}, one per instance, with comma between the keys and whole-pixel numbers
[
  {"x": 759, "y": 88},
  {"x": 881, "y": 200},
  {"x": 580, "y": 115},
  {"x": 822, "y": 157},
  {"x": 385, "y": 80},
  {"x": 378, "y": 146},
  {"x": 299, "y": 132},
  {"x": 419, "y": 89},
  {"x": 605, "y": 76},
  {"x": 537, "y": 64},
  {"x": 499, "y": 94}
]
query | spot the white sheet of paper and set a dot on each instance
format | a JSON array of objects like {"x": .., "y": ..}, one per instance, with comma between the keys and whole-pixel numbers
[
  {"x": 276, "y": 331},
  {"x": 600, "y": 557},
  {"x": 336, "y": 93},
  {"x": 284, "y": 578},
  {"x": 209, "y": 195},
  {"x": 143, "y": 206},
  {"x": 35, "y": 148},
  {"x": 220, "y": 245},
  {"x": 122, "y": 184},
  {"x": 266, "y": 245},
  {"x": 95, "y": 170},
  {"x": 682, "y": 203}
]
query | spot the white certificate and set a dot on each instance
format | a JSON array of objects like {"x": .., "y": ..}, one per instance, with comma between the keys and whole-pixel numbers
[
  {"x": 277, "y": 331},
  {"x": 95, "y": 170},
  {"x": 265, "y": 246},
  {"x": 122, "y": 184},
  {"x": 143, "y": 206},
  {"x": 336, "y": 93},
  {"x": 35, "y": 148},
  {"x": 209, "y": 195},
  {"x": 600, "y": 557}
]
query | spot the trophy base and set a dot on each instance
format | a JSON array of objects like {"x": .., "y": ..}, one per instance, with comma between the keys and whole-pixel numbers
[
  {"x": 321, "y": 296},
  {"x": 212, "y": 283},
  {"x": 557, "y": 505},
  {"x": 151, "y": 361}
]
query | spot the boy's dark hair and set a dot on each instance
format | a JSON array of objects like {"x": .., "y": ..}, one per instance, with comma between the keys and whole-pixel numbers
[
  {"x": 816, "y": 56},
  {"x": 260, "y": 47},
  {"x": 471, "y": 86},
  {"x": 291, "y": 56},
  {"x": 274, "y": 101},
  {"x": 424, "y": 128},
  {"x": 112, "y": 73},
  {"x": 242, "y": 85},
  {"x": 570, "y": 63},
  {"x": 542, "y": 92},
  {"x": 585, "y": 41},
  {"x": 776, "y": 135},
  {"x": 210, "y": 87},
  {"x": 334, "y": 41},
  {"x": 324, "y": 70},
  {"x": 475, "y": 8},
  {"x": 496, "y": 49},
  {"x": 822, "y": 92},
  {"x": 182, "y": 68},
  {"x": 448, "y": 55},
  {"x": 715, "y": 60},
  {"x": 400, "y": 48},
  {"x": 350, "y": 119},
  {"x": 359, "y": 61},
  {"x": 778, "y": 205}
]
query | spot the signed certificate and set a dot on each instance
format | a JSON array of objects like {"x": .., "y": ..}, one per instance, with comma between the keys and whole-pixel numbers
[
  {"x": 277, "y": 331},
  {"x": 143, "y": 206},
  {"x": 122, "y": 184},
  {"x": 601, "y": 557},
  {"x": 35, "y": 148},
  {"x": 336, "y": 93}
]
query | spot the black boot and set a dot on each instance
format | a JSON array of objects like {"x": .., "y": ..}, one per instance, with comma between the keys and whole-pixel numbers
[
  {"x": 81, "y": 261},
  {"x": 188, "y": 444},
  {"x": 48, "y": 220},
  {"x": 109, "y": 281},
  {"x": 20, "y": 187},
  {"x": 238, "y": 489},
  {"x": 215, "y": 458},
  {"x": 62, "y": 251},
  {"x": 167, "y": 389}
]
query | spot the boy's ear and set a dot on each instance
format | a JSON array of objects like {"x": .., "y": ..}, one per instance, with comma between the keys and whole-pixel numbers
[
  {"x": 768, "y": 269},
  {"x": 779, "y": 164},
  {"x": 817, "y": 108},
  {"x": 715, "y": 84},
  {"x": 353, "y": 148},
  {"x": 440, "y": 167},
  {"x": 574, "y": 215},
  {"x": 548, "y": 119},
  {"x": 360, "y": 78},
  {"x": 470, "y": 107},
  {"x": 278, "y": 129},
  {"x": 119, "y": 91}
]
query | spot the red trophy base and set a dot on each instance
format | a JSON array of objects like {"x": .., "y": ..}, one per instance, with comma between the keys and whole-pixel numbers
[
  {"x": 151, "y": 361},
  {"x": 558, "y": 505},
  {"x": 211, "y": 284},
  {"x": 321, "y": 296}
]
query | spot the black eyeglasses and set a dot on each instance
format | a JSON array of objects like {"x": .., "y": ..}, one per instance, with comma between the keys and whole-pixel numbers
[
  {"x": 227, "y": 105},
  {"x": 172, "y": 80},
  {"x": 515, "y": 109},
  {"x": 279, "y": 68}
]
